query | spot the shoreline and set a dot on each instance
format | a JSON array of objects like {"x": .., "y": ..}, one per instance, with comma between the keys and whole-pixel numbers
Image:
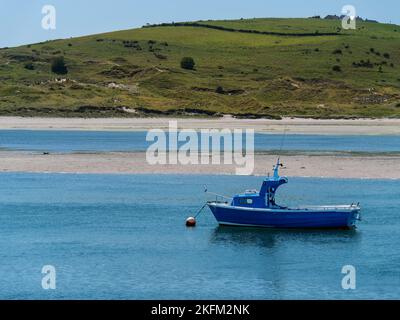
[
  {"x": 384, "y": 126},
  {"x": 318, "y": 166}
]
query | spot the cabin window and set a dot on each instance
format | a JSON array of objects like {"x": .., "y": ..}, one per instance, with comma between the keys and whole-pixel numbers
[{"x": 245, "y": 201}]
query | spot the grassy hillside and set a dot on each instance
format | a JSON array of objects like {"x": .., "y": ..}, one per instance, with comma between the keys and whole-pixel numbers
[{"x": 256, "y": 67}]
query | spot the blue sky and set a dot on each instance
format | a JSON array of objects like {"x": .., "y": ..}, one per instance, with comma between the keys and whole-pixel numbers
[{"x": 20, "y": 20}]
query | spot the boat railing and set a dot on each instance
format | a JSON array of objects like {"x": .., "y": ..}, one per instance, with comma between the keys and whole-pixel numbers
[
  {"x": 333, "y": 207},
  {"x": 218, "y": 201},
  {"x": 219, "y": 198}
]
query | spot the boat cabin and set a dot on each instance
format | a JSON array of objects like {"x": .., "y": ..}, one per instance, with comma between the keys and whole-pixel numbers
[{"x": 265, "y": 198}]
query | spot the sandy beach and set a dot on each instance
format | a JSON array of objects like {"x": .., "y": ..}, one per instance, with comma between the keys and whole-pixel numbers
[
  {"x": 296, "y": 165},
  {"x": 292, "y": 126},
  {"x": 336, "y": 166}
]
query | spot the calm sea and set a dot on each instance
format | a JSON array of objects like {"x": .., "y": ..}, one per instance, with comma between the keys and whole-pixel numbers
[
  {"x": 103, "y": 141},
  {"x": 123, "y": 237}
]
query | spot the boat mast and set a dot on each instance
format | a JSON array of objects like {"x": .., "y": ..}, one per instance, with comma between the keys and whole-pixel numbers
[{"x": 276, "y": 168}]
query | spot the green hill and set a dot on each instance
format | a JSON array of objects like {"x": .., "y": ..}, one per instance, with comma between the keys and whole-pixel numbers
[{"x": 250, "y": 68}]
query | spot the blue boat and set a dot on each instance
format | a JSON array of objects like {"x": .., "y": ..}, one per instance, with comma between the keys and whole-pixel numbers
[{"x": 258, "y": 209}]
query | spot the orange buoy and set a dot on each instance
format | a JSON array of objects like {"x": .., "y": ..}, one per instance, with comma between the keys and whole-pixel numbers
[{"x": 190, "y": 222}]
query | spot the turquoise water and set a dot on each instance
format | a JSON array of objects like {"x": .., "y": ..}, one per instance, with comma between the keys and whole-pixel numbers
[
  {"x": 123, "y": 237},
  {"x": 103, "y": 141}
]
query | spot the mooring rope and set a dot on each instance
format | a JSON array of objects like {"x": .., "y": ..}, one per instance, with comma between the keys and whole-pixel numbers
[{"x": 198, "y": 212}]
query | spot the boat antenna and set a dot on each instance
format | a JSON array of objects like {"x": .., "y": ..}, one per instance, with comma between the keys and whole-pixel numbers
[
  {"x": 278, "y": 163},
  {"x": 276, "y": 168},
  {"x": 283, "y": 140}
]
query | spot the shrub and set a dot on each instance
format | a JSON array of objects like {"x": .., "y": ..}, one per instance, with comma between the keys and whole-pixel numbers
[
  {"x": 132, "y": 44},
  {"x": 386, "y": 55},
  {"x": 337, "y": 51},
  {"x": 29, "y": 66},
  {"x": 363, "y": 64},
  {"x": 336, "y": 68},
  {"x": 160, "y": 56},
  {"x": 58, "y": 66},
  {"x": 187, "y": 63},
  {"x": 219, "y": 90}
]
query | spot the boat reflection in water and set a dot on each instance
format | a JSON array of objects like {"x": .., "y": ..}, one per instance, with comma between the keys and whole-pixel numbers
[{"x": 257, "y": 237}]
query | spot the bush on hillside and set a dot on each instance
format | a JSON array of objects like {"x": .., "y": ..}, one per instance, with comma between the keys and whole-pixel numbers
[
  {"x": 219, "y": 90},
  {"x": 363, "y": 64},
  {"x": 160, "y": 56},
  {"x": 58, "y": 65},
  {"x": 336, "y": 68},
  {"x": 29, "y": 66},
  {"x": 187, "y": 63},
  {"x": 337, "y": 51}
]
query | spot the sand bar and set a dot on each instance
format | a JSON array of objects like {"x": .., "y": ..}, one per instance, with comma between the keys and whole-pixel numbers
[
  {"x": 294, "y": 126},
  {"x": 377, "y": 166}
]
